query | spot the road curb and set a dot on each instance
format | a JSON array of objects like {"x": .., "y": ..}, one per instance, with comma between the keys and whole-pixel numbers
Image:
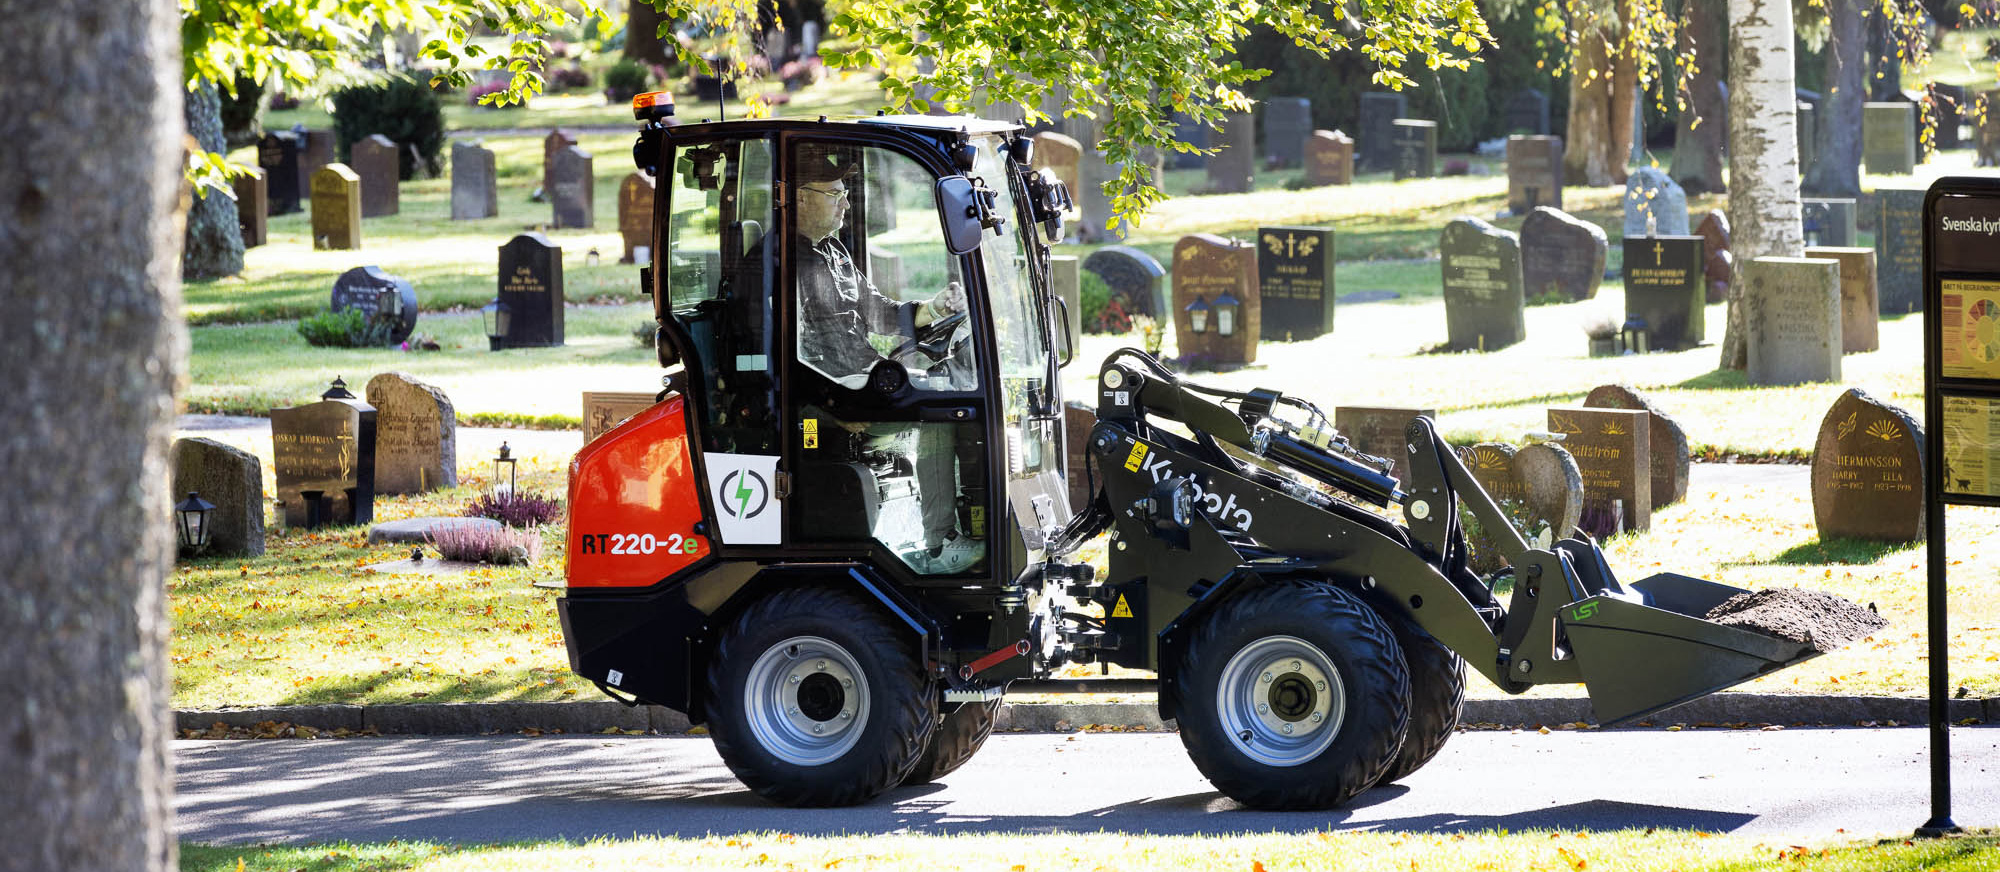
[{"x": 603, "y": 716}]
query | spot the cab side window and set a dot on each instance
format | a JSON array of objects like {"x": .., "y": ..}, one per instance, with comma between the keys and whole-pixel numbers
[{"x": 720, "y": 264}]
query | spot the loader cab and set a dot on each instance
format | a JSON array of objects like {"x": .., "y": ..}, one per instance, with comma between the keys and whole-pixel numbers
[{"x": 810, "y": 283}]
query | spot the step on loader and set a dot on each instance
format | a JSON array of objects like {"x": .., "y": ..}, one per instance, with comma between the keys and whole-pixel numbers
[{"x": 840, "y": 556}]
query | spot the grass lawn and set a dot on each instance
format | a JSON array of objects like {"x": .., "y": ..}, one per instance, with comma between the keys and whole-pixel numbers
[{"x": 1633, "y": 851}]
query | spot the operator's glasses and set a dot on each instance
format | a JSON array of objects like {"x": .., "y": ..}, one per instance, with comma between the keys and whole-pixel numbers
[{"x": 840, "y": 195}]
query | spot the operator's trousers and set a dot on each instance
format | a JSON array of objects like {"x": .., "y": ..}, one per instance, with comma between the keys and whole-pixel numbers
[{"x": 936, "y": 468}]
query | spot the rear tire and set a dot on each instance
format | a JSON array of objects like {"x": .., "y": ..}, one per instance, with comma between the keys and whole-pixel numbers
[
  {"x": 1334, "y": 693},
  {"x": 958, "y": 736},
  {"x": 817, "y": 699},
  {"x": 1437, "y": 696}
]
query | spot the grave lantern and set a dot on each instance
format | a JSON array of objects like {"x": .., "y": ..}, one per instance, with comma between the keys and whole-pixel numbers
[
  {"x": 497, "y": 322},
  {"x": 338, "y": 391},
  {"x": 504, "y": 470},
  {"x": 590, "y": 258},
  {"x": 1632, "y": 336},
  {"x": 191, "y": 523},
  {"x": 1198, "y": 314},
  {"x": 1225, "y": 314}
]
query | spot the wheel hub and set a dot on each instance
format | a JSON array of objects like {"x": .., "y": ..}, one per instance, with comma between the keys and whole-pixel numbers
[
  {"x": 1282, "y": 698},
  {"x": 805, "y": 700}
]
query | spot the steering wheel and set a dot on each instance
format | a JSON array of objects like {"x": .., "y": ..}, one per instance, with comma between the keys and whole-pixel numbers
[{"x": 933, "y": 339}]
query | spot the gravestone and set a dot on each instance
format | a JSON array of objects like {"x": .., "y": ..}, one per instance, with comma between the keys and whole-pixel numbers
[
  {"x": 1231, "y": 170},
  {"x": 1828, "y": 223},
  {"x": 416, "y": 435},
  {"x": 1379, "y": 432},
  {"x": 1613, "y": 450},
  {"x": 1193, "y": 133},
  {"x": 1329, "y": 159},
  {"x": 1483, "y": 298},
  {"x": 605, "y": 410},
  {"x": 1888, "y": 142},
  {"x": 552, "y": 145},
  {"x": 573, "y": 189},
  {"x": 1714, "y": 233},
  {"x": 253, "y": 206},
  {"x": 1528, "y": 114},
  {"x": 1062, "y": 154},
  {"x": 1287, "y": 123},
  {"x": 475, "y": 190},
  {"x": 1416, "y": 148},
  {"x": 278, "y": 157},
  {"x": 1808, "y": 132},
  {"x": 1134, "y": 277},
  {"x": 1066, "y": 280},
  {"x": 1868, "y": 472},
  {"x": 324, "y": 457},
  {"x": 1561, "y": 255},
  {"x": 1666, "y": 441},
  {"x": 1295, "y": 282},
  {"x": 1534, "y": 173},
  {"x": 1219, "y": 275},
  {"x": 1899, "y": 250},
  {"x": 635, "y": 218},
  {"x": 1859, "y": 309},
  {"x": 380, "y": 296},
  {"x": 1666, "y": 288},
  {"x": 336, "y": 208},
  {"x": 1792, "y": 320},
  {"x": 316, "y": 150},
  {"x": 1539, "y": 487},
  {"x": 1986, "y": 115},
  {"x": 233, "y": 480},
  {"x": 1650, "y": 191},
  {"x": 374, "y": 159},
  {"x": 1377, "y": 135},
  {"x": 531, "y": 287},
  {"x": 1078, "y": 420}
]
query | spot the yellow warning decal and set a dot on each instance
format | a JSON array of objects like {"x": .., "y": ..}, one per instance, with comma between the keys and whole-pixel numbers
[
  {"x": 1137, "y": 457},
  {"x": 1122, "y": 610},
  {"x": 811, "y": 426}
]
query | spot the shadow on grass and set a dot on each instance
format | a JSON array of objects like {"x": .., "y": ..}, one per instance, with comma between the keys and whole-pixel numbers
[
  {"x": 1847, "y": 552},
  {"x": 1721, "y": 379}
]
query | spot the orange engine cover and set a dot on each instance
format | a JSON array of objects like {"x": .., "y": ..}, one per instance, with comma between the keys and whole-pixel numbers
[{"x": 634, "y": 503}]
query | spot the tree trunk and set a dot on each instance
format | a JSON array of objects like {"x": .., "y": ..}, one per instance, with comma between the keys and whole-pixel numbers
[
  {"x": 214, "y": 237},
  {"x": 1704, "y": 121},
  {"x": 642, "y": 26},
  {"x": 89, "y": 218},
  {"x": 1837, "y": 142},
  {"x": 1600, "y": 117},
  {"x": 1764, "y": 218}
]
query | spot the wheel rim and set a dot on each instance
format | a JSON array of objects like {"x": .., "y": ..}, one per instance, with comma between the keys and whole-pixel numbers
[
  {"x": 1282, "y": 700},
  {"x": 806, "y": 700}
]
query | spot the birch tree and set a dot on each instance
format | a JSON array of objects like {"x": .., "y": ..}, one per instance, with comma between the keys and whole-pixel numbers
[{"x": 1764, "y": 214}]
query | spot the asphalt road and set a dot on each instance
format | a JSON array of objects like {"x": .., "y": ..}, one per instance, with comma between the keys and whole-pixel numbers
[{"x": 1814, "y": 783}]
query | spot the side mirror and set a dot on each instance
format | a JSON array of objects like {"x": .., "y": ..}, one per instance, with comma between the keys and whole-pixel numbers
[{"x": 961, "y": 211}]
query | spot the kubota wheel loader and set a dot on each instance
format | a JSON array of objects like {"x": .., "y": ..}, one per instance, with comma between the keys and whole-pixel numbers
[{"x": 760, "y": 549}]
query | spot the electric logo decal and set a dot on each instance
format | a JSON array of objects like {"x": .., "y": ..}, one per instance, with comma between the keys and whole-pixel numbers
[
  {"x": 740, "y": 489},
  {"x": 749, "y": 495}
]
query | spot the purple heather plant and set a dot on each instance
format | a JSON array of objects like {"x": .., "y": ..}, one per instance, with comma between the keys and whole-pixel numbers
[
  {"x": 520, "y": 509},
  {"x": 472, "y": 543}
]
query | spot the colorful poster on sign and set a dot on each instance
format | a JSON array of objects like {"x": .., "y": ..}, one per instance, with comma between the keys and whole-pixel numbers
[
  {"x": 1972, "y": 446},
  {"x": 1969, "y": 329}
]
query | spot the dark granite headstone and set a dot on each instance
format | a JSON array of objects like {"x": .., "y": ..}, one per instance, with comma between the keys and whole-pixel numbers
[
  {"x": 416, "y": 435},
  {"x": 1220, "y": 276},
  {"x": 1377, "y": 135},
  {"x": 1668, "y": 442},
  {"x": 316, "y": 149},
  {"x": 1483, "y": 298},
  {"x": 324, "y": 457},
  {"x": 1539, "y": 487},
  {"x": 1665, "y": 287},
  {"x": 376, "y": 162},
  {"x": 278, "y": 157},
  {"x": 381, "y": 296},
  {"x": 336, "y": 208},
  {"x": 1379, "y": 432},
  {"x": 531, "y": 287},
  {"x": 1193, "y": 133},
  {"x": 1528, "y": 113},
  {"x": 573, "y": 188},
  {"x": 1287, "y": 123},
  {"x": 1714, "y": 233},
  {"x": 1650, "y": 191},
  {"x": 1868, "y": 472},
  {"x": 1561, "y": 255},
  {"x": 1062, "y": 154},
  {"x": 635, "y": 217},
  {"x": 1860, "y": 311},
  {"x": 1329, "y": 158},
  {"x": 1232, "y": 170},
  {"x": 1792, "y": 320},
  {"x": 1135, "y": 278},
  {"x": 475, "y": 191},
  {"x": 1613, "y": 450},
  {"x": 1534, "y": 172},
  {"x": 1807, "y": 130},
  {"x": 253, "y": 206},
  {"x": 1828, "y": 222},
  {"x": 1888, "y": 142},
  {"x": 1295, "y": 278},
  {"x": 1986, "y": 124},
  {"x": 1416, "y": 148},
  {"x": 1899, "y": 250},
  {"x": 1078, "y": 419},
  {"x": 233, "y": 480},
  {"x": 552, "y": 145}
]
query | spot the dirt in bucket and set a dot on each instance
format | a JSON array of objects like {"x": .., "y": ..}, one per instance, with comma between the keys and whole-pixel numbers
[{"x": 1812, "y": 617}]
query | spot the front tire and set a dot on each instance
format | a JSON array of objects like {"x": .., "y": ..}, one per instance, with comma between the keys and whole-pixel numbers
[
  {"x": 1437, "y": 696},
  {"x": 817, "y": 699},
  {"x": 959, "y": 734},
  {"x": 1293, "y": 696}
]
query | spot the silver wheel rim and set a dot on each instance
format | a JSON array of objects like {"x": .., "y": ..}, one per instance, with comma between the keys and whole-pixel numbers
[
  {"x": 806, "y": 700},
  {"x": 1281, "y": 700}
]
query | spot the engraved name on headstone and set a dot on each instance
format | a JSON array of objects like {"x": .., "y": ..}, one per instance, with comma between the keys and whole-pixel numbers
[
  {"x": 1792, "y": 320},
  {"x": 1899, "y": 250},
  {"x": 531, "y": 287},
  {"x": 1665, "y": 288},
  {"x": 1613, "y": 450},
  {"x": 381, "y": 296},
  {"x": 336, "y": 208},
  {"x": 1329, "y": 158},
  {"x": 323, "y": 455},
  {"x": 1868, "y": 472},
  {"x": 416, "y": 435},
  {"x": 1379, "y": 431},
  {"x": 1295, "y": 278},
  {"x": 1217, "y": 315},
  {"x": 1668, "y": 442},
  {"x": 1483, "y": 300}
]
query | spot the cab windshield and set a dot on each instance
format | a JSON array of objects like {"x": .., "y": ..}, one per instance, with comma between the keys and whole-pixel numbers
[{"x": 1019, "y": 326}]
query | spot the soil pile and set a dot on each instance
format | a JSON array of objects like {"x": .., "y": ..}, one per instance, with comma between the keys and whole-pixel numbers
[{"x": 1812, "y": 617}]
